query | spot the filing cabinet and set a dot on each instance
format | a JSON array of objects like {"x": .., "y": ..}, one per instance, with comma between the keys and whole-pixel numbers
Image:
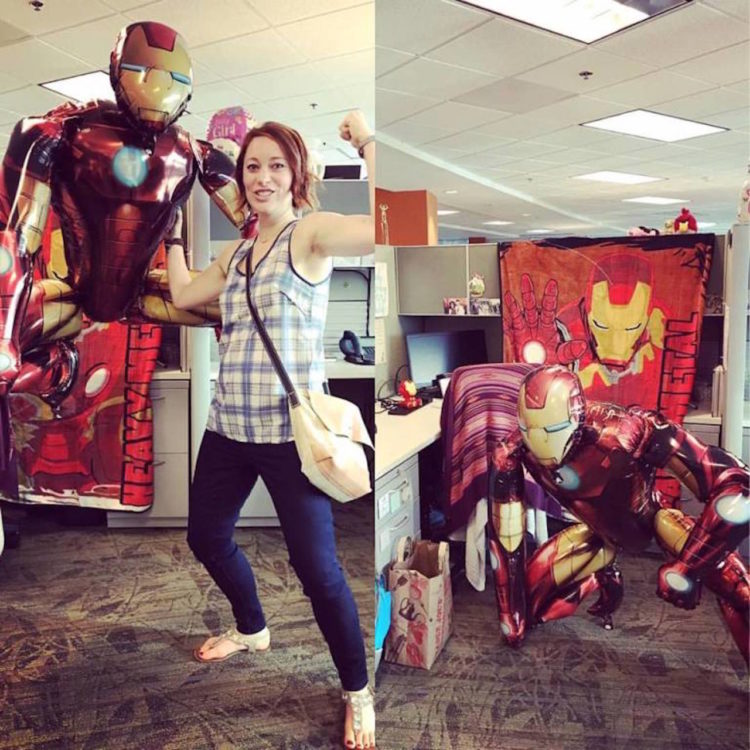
[{"x": 396, "y": 509}]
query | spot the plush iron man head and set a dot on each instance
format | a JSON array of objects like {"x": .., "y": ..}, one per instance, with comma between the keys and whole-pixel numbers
[
  {"x": 151, "y": 74},
  {"x": 551, "y": 410},
  {"x": 618, "y": 307}
]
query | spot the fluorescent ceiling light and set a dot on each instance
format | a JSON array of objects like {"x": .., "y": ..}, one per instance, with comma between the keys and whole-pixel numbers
[
  {"x": 706, "y": 224},
  {"x": 539, "y": 231},
  {"x": 645, "y": 124},
  {"x": 497, "y": 223},
  {"x": 622, "y": 178},
  {"x": 83, "y": 88},
  {"x": 583, "y": 20},
  {"x": 451, "y": 192},
  {"x": 655, "y": 200},
  {"x": 445, "y": 212}
]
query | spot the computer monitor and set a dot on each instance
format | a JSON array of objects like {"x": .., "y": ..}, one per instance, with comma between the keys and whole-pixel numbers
[{"x": 433, "y": 354}]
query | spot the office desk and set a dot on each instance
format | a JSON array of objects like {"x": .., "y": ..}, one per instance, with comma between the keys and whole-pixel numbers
[
  {"x": 401, "y": 437},
  {"x": 398, "y": 441}
]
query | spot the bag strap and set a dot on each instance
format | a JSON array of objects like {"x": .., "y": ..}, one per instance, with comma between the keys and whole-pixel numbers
[{"x": 273, "y": 353}]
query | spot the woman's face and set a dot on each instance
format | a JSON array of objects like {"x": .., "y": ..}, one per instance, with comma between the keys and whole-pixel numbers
[{"x": 267, "y": 177}]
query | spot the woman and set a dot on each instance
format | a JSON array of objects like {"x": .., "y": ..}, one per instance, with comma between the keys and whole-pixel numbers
[{"x": 248, "y": 432}]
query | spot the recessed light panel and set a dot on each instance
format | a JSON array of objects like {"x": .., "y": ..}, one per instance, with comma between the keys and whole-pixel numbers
[
  {"x": 652, "y": 125},
  {"x": 539, "y": 231},
  {"x": 445, "y": 212},
  {"x": 655, "y": 200},
  {"x": 83, "y": 88},
  {"x": 497, "y": 223},
  {"x": 621, "y": 178},
  {"x": 584, "y": 20}
]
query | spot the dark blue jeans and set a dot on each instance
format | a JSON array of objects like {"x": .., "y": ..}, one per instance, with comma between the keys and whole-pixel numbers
[{"x": 225, "y": 473}]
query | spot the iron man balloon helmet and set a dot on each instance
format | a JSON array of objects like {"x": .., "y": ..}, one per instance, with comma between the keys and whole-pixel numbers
[
  {"x": 151, "y": 74},
  {"x": 551, "y": 411}
]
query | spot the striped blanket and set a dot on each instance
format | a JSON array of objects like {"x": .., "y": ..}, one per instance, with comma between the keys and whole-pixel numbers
[{"x": 479, "y": 408}]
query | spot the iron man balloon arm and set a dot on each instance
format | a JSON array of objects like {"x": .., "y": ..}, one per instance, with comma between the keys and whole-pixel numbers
[
  {"x": 26, "y": 176},
  {"x": 717, "y": 479},
  {"x": 216, "y": 175}
]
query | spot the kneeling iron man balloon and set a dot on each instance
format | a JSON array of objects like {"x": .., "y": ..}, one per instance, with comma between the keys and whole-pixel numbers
[
  {"x": 116, "y": 174},
  {"x": 598, "y": 460}
]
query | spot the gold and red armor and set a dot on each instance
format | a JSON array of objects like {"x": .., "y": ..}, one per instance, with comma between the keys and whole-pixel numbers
[
  {"x": 598, "y": 461},
  {"x": 116, "y": 175}
]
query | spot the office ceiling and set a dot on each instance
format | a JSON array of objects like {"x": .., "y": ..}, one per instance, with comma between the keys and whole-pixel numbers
[
  {"x": 489, "y": 107},
  {"x": 275, "y": 57}
]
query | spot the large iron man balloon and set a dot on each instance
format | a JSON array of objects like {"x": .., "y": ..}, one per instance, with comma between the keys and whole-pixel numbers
[
  {"x": 599, "y": 460},
  {"x": 115, "y": 175}
]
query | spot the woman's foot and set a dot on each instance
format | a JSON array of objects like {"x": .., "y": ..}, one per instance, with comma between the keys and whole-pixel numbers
[
  {"x": 231, "y": 642},
  {"x": 359, "y": 722}
]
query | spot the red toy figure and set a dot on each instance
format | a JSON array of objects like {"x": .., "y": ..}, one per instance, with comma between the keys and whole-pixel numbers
[
  {"x": 598, "y": 461},
  {"x": 408, "y": 392},
  {"x": 115, "y": 175},
  {"x": 685, "y": 222}
]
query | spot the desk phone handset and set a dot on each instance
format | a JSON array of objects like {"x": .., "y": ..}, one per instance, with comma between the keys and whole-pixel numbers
[{"x": 352, "y": 349}]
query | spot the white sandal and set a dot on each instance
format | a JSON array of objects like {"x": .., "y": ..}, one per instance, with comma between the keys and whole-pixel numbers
[
  {"x": 359, "y": 700},
  {"x": 252, "y": 642}
]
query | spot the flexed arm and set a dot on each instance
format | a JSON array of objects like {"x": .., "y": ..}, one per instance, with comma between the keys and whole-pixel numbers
[
  {"x": 717, "y": 479},
  {"x": 24, "y": 205},
  {"x": 507, "y": 545}
]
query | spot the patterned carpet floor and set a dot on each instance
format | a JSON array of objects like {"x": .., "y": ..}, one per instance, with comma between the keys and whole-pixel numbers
[
  {"x": 97, "y": 628},
  {"x": 664, "y": 678}
]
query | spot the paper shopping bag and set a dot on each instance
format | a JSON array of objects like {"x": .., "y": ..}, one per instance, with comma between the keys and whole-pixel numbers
[{"x": 421, "y": 603}]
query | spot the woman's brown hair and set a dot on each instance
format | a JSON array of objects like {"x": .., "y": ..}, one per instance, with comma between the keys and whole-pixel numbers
[{"x": 295, "y": 153}]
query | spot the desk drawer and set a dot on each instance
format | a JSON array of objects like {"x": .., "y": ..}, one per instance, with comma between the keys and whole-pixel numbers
[{"x": 403, "y": 523}]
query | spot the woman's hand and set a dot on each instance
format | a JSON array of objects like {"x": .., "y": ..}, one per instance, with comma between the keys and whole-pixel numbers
[{"x": 354, "y": 128}]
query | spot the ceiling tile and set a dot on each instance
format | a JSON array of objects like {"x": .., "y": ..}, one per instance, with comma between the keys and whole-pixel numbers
[
  {"x": 54, "y": 16},
  {"x": 387, "y": 59},
  {"x": 726, "y": 65},
  {"x": 391, "y": 106},
  {"x": 9, "y": 82},
  {"x": 202, "y": 74},
  {"x": 10, "y": 33},
  {"x": 279, "y": 84},
  {"x": 696, "y": 30},
  {"x": 348, "y": 70},
  {"x": 414, "y": 134},
  {"x": 704, "y": 104},
  {"x": 429, "y": 78},
  {"x": 513, "y": 95},
  {"x": 30, "y": 100},
  {"x": 203, "y": 21},
  {"x": 738, "y": 8},
  {"x": 455, "y": 116},
  {"x": 34, "y": 61},
  {"x": 91, "y": 42},
  {"x": 214, "y": 96},
  {"x": 737, "y": 119},
  {"x": 333, "y": 34},
  {"x": 252, "y": 53},
  {"x": 607, "y": 70},
  {"x": 293, "y": 109},
  {"x": 651, "y": 89},
  {"x": 502, "y": 48},
  {"x": 128, "y": 4},
  {"x": 471, "y": 142},
  {"x": 518, "y": 127},
  {"x": 523, "y": 149},
  {"x": 285, "y": 11},
  {"x": 419, "y": 25}
]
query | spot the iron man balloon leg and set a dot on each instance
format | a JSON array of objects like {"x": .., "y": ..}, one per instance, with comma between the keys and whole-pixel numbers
[
  {"x": 155, "y": 306},
  {"x": 729, "y": 579},
  {"x": 567, "y": 568}
]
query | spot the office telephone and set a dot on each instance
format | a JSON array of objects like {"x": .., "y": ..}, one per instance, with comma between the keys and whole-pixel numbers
[{"x": 353, "y": 350}]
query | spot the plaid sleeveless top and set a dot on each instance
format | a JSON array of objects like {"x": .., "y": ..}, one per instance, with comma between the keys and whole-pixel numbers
[{"x": 249, "y": 403}]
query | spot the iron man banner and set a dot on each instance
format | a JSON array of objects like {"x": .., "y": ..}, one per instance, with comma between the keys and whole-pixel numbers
[{"x": 624, "y": 313}]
